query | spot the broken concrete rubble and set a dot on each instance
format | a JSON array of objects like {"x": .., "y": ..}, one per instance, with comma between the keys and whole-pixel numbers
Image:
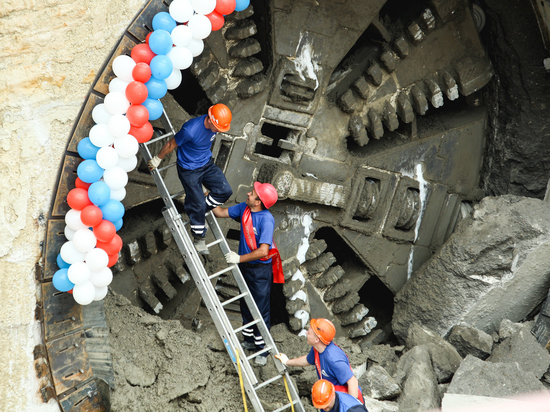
[{"x": 471, "y": 341}]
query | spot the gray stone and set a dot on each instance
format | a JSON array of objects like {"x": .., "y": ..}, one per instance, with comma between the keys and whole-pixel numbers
[
  {"x": 382, "y": 355},
  {"x": 445, "y": 358},
  {"x": 420, "y": 389},
  {"x": 346, "y": 303},
  {"x": 337, "y": 290},
  {"x": 494, "y": 266},
  {"x": 357, "y": 313},
  {"x": 483, "y": 378},
  {"x": 330, "y": 276},
  {"x": 523, "y": 349},
  {"x": 378, "y": 384},
  {"x": 374, "y": 405},
  {"x": 471, "y": 341},
  {"x": 507, "y": 328}
]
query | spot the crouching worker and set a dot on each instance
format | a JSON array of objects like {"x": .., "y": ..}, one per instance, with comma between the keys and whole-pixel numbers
[
  {"x": 258, "y": 257},
  {"x": 329, "y": 359},
  {"x": 325, "y": 398},
  {"x": 196, "y": 168}
]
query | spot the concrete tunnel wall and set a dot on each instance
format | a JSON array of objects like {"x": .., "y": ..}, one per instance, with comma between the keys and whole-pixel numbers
[{"x": 51, "y": 54}]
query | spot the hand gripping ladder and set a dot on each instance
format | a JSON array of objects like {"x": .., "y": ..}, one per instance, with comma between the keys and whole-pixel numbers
[{"x": 214, "y": 305}]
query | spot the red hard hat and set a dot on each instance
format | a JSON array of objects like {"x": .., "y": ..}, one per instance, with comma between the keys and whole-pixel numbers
[
  {"x": 267, "y": 193},
  {"x": 324, "y": 329},
  {"x": 322, "y": 393},
  {"x": 220, "y": 116}
]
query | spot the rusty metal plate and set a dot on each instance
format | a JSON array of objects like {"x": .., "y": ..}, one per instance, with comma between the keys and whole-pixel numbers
[
  {"x": 85, "y": 122},
  {"x": 86, "y": 398},
  {"x": 142, "y": 25},
  {"x": 55, "y": 238},
  {"x": 66, "y": 184},
  {"x": 61, "y": 313},
  {"x": 124, "y": 47},
  {"x": 69, "y": 361}
]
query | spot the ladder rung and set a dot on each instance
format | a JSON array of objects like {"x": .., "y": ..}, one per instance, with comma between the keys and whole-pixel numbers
[
  {"x": 246, "y": 326},
  {"x": 267, "y": 382},
  {"x": 221, "y": 272},
  {"x": 288, "y": 405},
  {"x": 215, "y": 242},
  {"x": 177, "y": 194},
  {"x": 228, "y": 301},
  {"x": 156, "y": 139},
  {"x": 256, "y": 354},
  {"x": 161, "y": 169}
]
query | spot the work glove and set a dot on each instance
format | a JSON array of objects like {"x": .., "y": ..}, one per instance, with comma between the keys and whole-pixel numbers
[
  {"x": 233, "y": 257},
  {"x": 282, "y": 357},
  {"x": 154, "y": 163}
]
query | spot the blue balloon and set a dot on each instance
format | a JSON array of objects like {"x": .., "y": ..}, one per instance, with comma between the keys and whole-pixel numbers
[
  {"x": 163, "y": 21},
  {"x": 161, "y": 67},
  {"x": 118, "y": 224},
  {"x": 113, "y": 210},
  {"x": 99, "y": 193},
  {"x": 61, "y": 264},
  {"x": 160, "y": 42},
  {"x": 61, "y": 280},
  {"x": 242, "y": 4},
  {"x": 154, "y": 107},
  {"x": 156, "y": 88},
  {"x": 89, "y": 171},
  {"x": 86, "y": 149}
]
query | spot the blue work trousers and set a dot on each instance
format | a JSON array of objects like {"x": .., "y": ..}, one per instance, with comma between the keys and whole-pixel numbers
[{"x": 196, "y": 204}]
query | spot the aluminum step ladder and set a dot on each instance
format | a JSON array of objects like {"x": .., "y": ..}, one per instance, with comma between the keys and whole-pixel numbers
[{"x": 217, "y": 308}]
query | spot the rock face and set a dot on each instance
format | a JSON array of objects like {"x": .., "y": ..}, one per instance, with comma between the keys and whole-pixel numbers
[
  {"x": 471, "y": 341},
  {"x": 483, "y": 378},
  {"x": 494, "y": 266}
]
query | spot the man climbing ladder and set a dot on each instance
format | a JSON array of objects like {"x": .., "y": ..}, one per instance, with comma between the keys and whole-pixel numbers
[{"x": 196, "y": 167}]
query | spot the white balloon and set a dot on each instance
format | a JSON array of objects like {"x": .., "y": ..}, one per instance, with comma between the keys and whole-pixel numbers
[
  {"x": 72, "y": 219},
  {"x": 181, "y": 57},
  {"x": 126, "y": 146},
  {"x": 127, "y": 163},
  {"x": 100, "y": 293},
  {"x": 115, "y": 178},
  {"x": 123, "y": 66},
  {"x": 181, "y": 10},
  {"x": 119, "y": 194},
  {"x": 96, "y": 259},
  {"x": 204, "y": 6},
  {"x": 84, "y": 240},
  {"x": 104, "y": 277},
  {"x": 200, "y": 26},
  {"x": 79, "y": 273},
  {"x": 196, "y": 47},
  {"x": 181, "y": 35},
  {"x": 69, "y": 233},
  {"x": 84, "y": 294},
  {"x": 100, "y": 114},
  {"x": 116, "y": 103},
  {"x": 118, "y": 125},
  {"x": 118, "y": 85},
  {"x": 107, "y": 157},
  {"x": 69, "y": 253},
  {"x": 100, "y": 135}
]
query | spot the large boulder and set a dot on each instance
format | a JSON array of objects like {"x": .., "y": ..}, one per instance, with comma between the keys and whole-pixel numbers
[
  {"x": 496, "y": 265},
  {"x": 471, "y": 341},
  {"x": 377, "y": 383},
  {"x": 499, "y": 380}
]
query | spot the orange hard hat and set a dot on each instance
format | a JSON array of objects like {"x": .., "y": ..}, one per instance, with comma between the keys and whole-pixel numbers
[
  {"x": 322, "y": 393},
  {"x": 324, "y": 329},
  {"x": 267, "y": 193},
  {"x": 220, "y": 116}
]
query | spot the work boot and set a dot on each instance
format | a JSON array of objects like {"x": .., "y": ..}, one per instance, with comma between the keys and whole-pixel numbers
[
  {"x": 249, "y": 345},
  {"x": 200, "y": 245}
]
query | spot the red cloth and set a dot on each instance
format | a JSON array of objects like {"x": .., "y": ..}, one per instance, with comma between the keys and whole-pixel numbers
[{"x": 277, "y": 264}]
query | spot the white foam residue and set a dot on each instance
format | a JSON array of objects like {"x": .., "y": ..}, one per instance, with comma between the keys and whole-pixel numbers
[
  {"x": 299, "y": 276},
  {"x": 299, "y": 295},
  {"x": 304, "y": 63},
  {"x": 303, "y": 316},
  {"x": 306, "y": 222},
  {"x": 423, "y": 188}
]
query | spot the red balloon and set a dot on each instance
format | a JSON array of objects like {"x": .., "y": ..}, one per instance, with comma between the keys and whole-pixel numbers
[
  {"x": 112, "y": 260},
  {"x": 141, "y": 72},
  {"x": 136, "y": 92},
  {"x": 142, "y": 134},
  {"x": 225, "y": 7},
  {"x": 112, "y": 247},
  {"x": 91, "y": 216},
  {"x": 104, "y": 231},
  {"x": 141, "y": 53},
  {"x": 78, "y": 199},
  {"x": 216, "y": 19},
  {"x": 82, "y": 185},
  {"x": 137, "y": 115},
  {"x": 70, "y": 291}
]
